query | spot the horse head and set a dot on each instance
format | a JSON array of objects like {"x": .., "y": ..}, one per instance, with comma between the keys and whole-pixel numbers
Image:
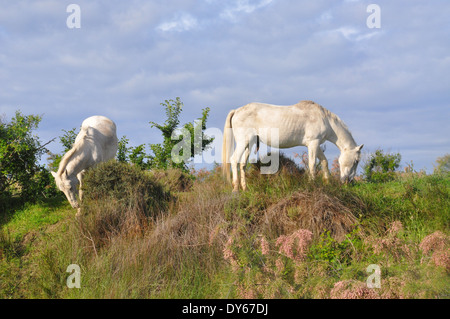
[
  {"x": 68, "y": 185},
  {"x": 348, "y": 163}
]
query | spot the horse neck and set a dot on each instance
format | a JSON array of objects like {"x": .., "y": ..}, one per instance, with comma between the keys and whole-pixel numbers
[
  {"x": 76, "y": 165},
  {"x": 72, "y": 162},
  {"x": 340, "y": 135}
]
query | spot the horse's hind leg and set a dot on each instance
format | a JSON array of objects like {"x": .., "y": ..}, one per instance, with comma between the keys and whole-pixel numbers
[
  {"x": 242, "y": 167},
  {"x": 253, "y": 140},
  {"x": 235, "y": 158}
]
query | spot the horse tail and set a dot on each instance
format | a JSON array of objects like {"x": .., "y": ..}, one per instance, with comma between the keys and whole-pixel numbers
[{"x": 227, "y": 146}]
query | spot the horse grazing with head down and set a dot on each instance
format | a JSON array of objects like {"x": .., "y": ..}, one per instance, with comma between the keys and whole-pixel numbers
[
  {"x": 96, "y": 142},
  {"x": 305, "y": 123}
]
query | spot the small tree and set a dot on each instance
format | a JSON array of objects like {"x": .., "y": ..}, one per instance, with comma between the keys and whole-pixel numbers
[
  {"x": 134, "y": 155},
  {"x": 443, "y": 165},
  {"x": 68, "y": 139},
  {"x": 163, "y": 152},
  {"x": 122, "y": 150},
  {"x": 139, "y": 158},
  {"x": 20, "y": 151},
  {"x": 381, "y": 167}
]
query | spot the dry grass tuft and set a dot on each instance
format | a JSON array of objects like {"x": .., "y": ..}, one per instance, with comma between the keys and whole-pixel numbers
[
  {"x": 287, "y": 166},
  {"x": 315, "y": 211}
]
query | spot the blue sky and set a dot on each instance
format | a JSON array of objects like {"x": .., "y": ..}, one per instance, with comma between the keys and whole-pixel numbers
[{"x": 390, "y": 85}]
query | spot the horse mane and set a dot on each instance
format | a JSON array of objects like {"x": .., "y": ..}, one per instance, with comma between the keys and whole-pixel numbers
[{"x": 66, "y": 158}]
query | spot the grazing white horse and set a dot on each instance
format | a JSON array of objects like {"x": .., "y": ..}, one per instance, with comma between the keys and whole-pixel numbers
[
  {"x": 305, "y": 123},
  {"x": 96, "y": 142}
]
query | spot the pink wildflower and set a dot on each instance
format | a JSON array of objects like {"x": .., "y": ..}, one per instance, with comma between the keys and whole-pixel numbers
[
  {"x": 229, "y": 255},
  {"x": 352, "y": 289},
  {"x": 441, "y": 258},
  {"x": 396, "y": 227},
  {"x": 434, "y": 242},
  {"x": 301, "y": 237},
  {"x": 264, "y": 246},
  {"x": 437, "y": 243}
]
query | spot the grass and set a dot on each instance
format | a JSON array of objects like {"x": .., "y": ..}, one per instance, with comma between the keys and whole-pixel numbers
[{"x": 285, "y": 237}]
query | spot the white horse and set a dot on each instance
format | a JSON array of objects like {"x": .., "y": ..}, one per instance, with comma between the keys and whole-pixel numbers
[
  {"x": 305, "y": 123},
  {"x": 96, "y": 142}
]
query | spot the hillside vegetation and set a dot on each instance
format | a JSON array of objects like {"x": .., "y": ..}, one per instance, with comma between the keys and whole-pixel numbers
[{"x": 169, "y": 234}]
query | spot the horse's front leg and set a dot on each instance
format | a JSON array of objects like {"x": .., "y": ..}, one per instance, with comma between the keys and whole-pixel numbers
[
  {"x": 323, "y": 163},
  {"x": 80, "y": 176},
  {"x": 313, "y": 149}
]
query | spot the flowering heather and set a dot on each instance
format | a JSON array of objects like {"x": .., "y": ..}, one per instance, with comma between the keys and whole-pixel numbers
[
  {"x": 352, "y": 289},
  {"x": 302, "y": 237},
  {"x": 335, "y": 168},
  {"x": 437, "y": 243},
  {"x": 229, "y": 255},
  {"x": 391, "y": 244},
  {"x": 434, "y": 242},
  {"x": 441, "y": 258},
  {"x": 264, "y": 246},
  {"x": 395, "y": 228}
]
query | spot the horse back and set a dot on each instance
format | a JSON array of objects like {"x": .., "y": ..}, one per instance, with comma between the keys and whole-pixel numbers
[
  {"x": 297, "y": 124},
  {"x": 99, "y": 137}
]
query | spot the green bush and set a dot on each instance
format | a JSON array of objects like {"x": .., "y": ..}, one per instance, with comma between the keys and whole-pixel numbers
[
  {"x": 126, "y": 184},
  {"x": 173, "y": 179},
  {"x": 381, "y": 167},
  {"x": 443, "y": 165},
  {"x": 20, "y": 151}
]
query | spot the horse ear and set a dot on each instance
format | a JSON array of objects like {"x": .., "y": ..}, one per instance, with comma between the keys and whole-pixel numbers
[
  {"x": 53, "y": 174},
  {"x": 358, "y": 148}
]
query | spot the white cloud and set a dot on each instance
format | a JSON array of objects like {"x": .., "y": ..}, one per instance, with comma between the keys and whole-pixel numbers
[
  {"x": 352, "y": 33},
  {"x": 243, "y": 6},
  {"x": 134, "y": 18},
  {"x": 183, "y": 22},
  {"x": 325, "y": 17}
]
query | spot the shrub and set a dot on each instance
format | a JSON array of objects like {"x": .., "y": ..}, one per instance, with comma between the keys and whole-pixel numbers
[
  {"x": 20, "y": 152},
  {"x": 381, "y": 167},
  {"x": 119, "y": 200},
  {"x": 126, "y": 184},
  {"x": 173, "y": 179},
  {"x": 443, "y": 165}
]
